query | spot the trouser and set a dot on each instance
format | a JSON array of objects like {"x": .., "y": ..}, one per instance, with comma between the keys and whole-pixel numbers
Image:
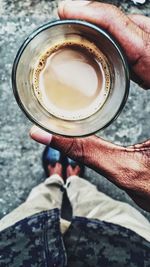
[{"x": 86, "y": 201}]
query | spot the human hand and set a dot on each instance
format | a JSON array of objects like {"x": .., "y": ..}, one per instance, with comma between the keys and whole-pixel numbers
[
  {"x": 128, "y": 168},
  {"x": 131, "y": 31}
]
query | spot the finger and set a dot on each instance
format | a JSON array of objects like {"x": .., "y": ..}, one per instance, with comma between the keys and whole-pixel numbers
[
  {"x": 111, "y": 19},
  {"x": 81, "y": 149},
  {"x": 142, "y": 21},
  {"x": 132, "y": 38},
  {"x": 102, "y": 156},
  {"x": 40, "y": 135},
  {"x": 144, "y": 146}
]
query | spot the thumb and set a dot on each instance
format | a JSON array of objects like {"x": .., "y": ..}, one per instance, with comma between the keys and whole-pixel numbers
[
  {"x": 81, "y": 149},
  {"x": 130, "y": 36},
  {"x": 100, "y": 155}
]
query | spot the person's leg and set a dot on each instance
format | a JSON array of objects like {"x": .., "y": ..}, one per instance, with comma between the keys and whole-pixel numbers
[
  {"x": 88, "y": 202},
  {"x": 48, "y": 195},
  {"x": 45, "y": 196}
]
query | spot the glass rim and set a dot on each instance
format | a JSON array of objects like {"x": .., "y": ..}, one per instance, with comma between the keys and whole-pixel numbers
[{"x": 65, "y": 22}]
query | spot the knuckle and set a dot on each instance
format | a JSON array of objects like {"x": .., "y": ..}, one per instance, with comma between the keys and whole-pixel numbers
[
  {"x": 78, "y": 149},
  {"x": 146, "y": 40},
  {"x": 69, "y": 148},
  {"x": 115, "y": 11},
  {"x": 112, "y": 9},
  {"x": 75, "y": 149}
]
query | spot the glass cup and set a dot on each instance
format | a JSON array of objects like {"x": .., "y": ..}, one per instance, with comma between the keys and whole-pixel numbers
[{"x": 47, "y": 36}]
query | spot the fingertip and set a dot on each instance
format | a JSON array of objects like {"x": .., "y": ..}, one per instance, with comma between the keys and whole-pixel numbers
[
  {"x": 66, "y": 8},
  {"x": 40, "y": 135},
  {"x": 61, "y": 9}
]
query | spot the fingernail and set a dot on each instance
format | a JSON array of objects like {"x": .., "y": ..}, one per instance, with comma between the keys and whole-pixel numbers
[
  {"x": 40, "y": 135},
  {"x": 71, "y": 4},
  {"x": 76, "y": 3}
]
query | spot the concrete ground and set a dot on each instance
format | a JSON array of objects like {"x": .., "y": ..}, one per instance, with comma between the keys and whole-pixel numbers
[{"x": 20, "y": 157}]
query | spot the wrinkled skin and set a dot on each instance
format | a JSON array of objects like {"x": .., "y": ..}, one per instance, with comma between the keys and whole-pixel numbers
[{"x": 126, "y": 167}]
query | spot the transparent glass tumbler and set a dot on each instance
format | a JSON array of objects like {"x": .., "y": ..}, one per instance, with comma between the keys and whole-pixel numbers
[{"x": 45, "y": 37}]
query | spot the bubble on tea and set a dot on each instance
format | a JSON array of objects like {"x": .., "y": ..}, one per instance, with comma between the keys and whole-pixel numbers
[{"x": 71, "y": 79}]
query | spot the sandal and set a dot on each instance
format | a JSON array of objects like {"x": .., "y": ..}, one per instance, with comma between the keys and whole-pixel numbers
[
  {"x": 74, "y": 164},
  {"x": 51, "y": 157}
]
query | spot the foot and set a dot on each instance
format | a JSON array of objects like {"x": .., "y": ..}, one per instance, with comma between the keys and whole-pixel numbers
[
  {"x": 73, "y": 171},
  {"x": 53, "y": 162},
  {"x": 74, "y": 168},
  {"x": 56, "y": 169}
]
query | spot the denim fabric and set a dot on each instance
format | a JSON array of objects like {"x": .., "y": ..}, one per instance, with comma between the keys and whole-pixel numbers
[
  {"x": 94, "y": 243},
  {"x": 37, "y": 242}
]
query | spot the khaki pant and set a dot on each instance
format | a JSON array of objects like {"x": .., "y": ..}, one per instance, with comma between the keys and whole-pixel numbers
[{"x": 86, "y": 201}]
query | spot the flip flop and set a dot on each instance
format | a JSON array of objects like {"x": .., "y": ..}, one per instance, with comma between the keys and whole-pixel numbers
[{"x": 51, "y": 157}]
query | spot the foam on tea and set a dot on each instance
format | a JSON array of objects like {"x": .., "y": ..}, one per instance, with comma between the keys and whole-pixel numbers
[{"x": 71, "y": 80}]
